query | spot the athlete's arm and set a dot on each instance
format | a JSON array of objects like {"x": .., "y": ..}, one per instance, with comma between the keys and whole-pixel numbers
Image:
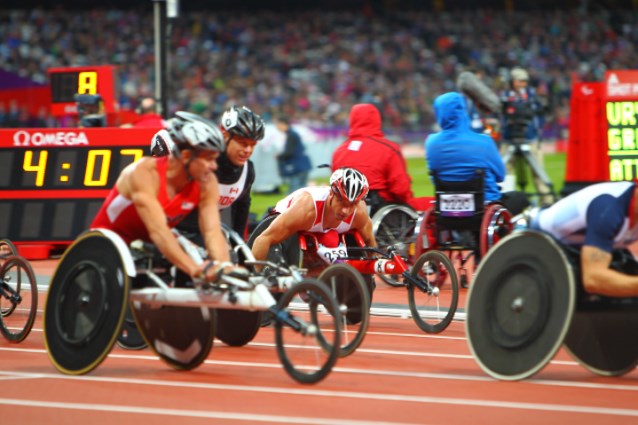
[
  {"x": 210, "y": 221},
  {"x": 598, "y": 278},
  {"x": 299, "y": 217},
  {"x": 141, "y": 186}
]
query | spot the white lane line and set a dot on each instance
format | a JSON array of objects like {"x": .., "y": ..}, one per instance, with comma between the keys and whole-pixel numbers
[
  {"x": 568, "y": 408},
  {"x": 189, "y": 413},
  {"x": 337, "y": 369}
]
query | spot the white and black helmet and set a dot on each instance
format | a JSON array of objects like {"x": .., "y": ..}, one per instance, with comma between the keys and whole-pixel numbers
[
  {"x": 349, "y": 183},
  {"x": 202, "y": 136},
  {"x": 162, "y": 144},
  {"x": 240, "y": 121},
  {"x": 187, "y": 131}
]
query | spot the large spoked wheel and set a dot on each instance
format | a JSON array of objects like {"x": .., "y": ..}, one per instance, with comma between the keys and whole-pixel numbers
[
  {"x": 7, "y": 248},
  {"x": 496, "y": 224},
  {"x": 433, "y": 310},
  {"x": 237, "y": 327},
  {"x": 85, "y": 304},
  {"x": 520, "y": 306},
  {"x": 307, "y": 331},
  {"x": 19, "y": 303},
  {"x": 353, "y": 297},
  {"x": 181, "y": 336},
  {"x": 394, "y": 225}
]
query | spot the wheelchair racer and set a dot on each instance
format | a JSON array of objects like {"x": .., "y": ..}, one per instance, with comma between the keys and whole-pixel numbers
[
  {"x": 242, "y": 129},
  {"x": 600, "y": 220},
  {"x": 327, "y": 212},
  {"x": 153, "y": 195}
]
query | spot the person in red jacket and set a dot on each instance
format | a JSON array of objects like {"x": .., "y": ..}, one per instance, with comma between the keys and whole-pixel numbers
[{"x": 379, "y": 159}]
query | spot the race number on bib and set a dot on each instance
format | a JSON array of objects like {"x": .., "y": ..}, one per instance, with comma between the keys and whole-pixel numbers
[
  {"x": 330, "y": 255},
  {"x": 457, "y": 205}
]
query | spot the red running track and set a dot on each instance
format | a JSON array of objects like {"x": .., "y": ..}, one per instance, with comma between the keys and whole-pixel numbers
[{"x": 398, "y": 376}]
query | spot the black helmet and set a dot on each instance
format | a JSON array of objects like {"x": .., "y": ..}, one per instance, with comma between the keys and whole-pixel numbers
[{"x": 242, "y": 122}]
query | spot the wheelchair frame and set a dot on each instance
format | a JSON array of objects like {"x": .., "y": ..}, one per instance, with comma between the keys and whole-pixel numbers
[{"x": 230, "y": 292}]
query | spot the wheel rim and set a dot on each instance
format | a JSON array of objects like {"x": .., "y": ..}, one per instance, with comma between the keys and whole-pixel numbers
[{"x": 83, "y": 304}]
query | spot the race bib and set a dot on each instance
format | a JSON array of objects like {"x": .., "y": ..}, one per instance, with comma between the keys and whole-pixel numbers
[
  {"x": 331, "y": 255},
  {"x": 457, "y": 205}
]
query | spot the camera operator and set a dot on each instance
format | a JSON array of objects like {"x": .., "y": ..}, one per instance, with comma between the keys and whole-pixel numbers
[{"x": 521, "y": 126}]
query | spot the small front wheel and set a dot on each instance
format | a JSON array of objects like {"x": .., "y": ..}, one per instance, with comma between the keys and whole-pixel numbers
[
  {"x": 19, "y": 302},
  {"x": 353, "y": 297},
  {"x": 433, "y": 309},
  {"x": 306, "y": 316}
]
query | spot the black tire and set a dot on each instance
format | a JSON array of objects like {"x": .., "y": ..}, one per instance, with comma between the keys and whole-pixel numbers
[
  {"x": 17, "y": 317},
  {"x": 303, "y": 354},
  {"x": 287, "y": 252},
  {"x": 86, "y": 304},
  {"x": 7, "y": 248},
  {"x": 434, "y": 312},
  {"x": 175, "y": 332},
  {"x": 349, "y": 288},
  {"x": 237, "y": 327},
  {"x": 394, "y": 225}
]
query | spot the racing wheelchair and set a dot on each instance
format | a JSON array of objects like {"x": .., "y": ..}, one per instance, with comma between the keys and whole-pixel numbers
[
  {"x": 527, "y": 300},
  {"x": 99, "y": 274},
  {"x": 431, "y": 282},
  {"x": 458, "y": 222},
  {"x": 18, "y": 293}
]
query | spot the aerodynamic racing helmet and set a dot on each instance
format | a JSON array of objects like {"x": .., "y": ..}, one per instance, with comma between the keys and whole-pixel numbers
[
  {"x": 162, "y": 144},
  {"x": 242, "y": 122},
  {"x": 350, "y": 184},
  {"x": 201, "y": 136},
  {"x": 188, "y": 131}
]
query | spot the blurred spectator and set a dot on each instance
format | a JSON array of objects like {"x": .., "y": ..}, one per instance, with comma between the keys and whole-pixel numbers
[
  {"x": 318, "y": 64},
  {"x": 294, "y": 164},
  {"x": 148, "y": 115}
]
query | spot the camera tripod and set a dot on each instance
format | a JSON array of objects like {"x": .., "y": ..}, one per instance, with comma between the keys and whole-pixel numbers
[{"x": 521, "y": 156}]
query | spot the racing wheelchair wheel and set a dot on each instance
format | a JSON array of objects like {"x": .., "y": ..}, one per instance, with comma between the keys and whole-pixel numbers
[
  {"x": 496, "y": 224},
  {"x": 86, "y": 303},
  {"x": 181, "y": 336},
  {"x": 520, "y": 306},
  {"x": 307, "y": 331},
  {"x": 394, "y": 225},
  {"x": 433, "y": 311},
  {"x": 602, "y": 333},
  {"x": 353, "y": 298},
  {"x": 19, "y": 303},
  {"x": 237, "y": 327},
  {"x": 130, "y": 338},
  {"x": 7, "y": 248}
]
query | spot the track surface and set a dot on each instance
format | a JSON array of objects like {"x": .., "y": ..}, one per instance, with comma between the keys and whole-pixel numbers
[{"x": 398, "y": 376}]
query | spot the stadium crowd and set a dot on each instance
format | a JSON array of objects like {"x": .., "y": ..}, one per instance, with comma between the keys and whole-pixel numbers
[{"x": 313, "y": 66}]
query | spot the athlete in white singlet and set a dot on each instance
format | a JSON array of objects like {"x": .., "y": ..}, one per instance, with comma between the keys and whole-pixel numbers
[
  {"x": 324, "y": 211},
  {"x": 598, "y": 219}
]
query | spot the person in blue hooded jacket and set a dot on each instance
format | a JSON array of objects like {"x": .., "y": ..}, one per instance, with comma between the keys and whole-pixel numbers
[{"x": 456, "y": 152}]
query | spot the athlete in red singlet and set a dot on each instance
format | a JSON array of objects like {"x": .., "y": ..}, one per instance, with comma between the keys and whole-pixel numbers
[{"x": 154, "y": 194}]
